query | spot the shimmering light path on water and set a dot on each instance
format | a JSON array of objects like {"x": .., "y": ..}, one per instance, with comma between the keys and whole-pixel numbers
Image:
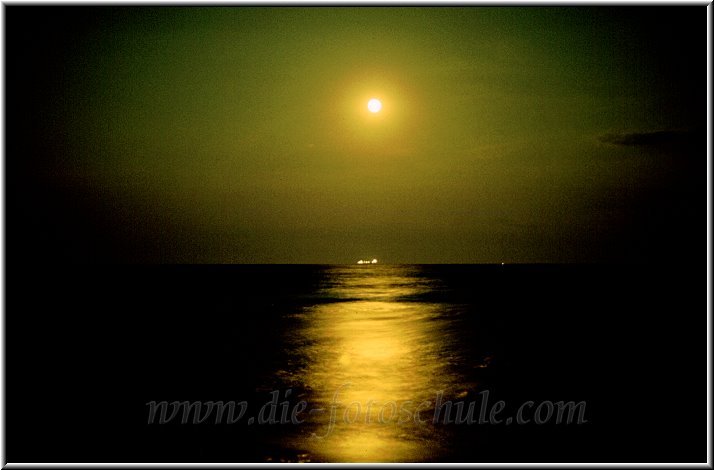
[{"x": 371, "y": 358}]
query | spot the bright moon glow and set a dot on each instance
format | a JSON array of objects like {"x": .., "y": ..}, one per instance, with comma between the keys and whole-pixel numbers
[{"x": 374, "y": 105}]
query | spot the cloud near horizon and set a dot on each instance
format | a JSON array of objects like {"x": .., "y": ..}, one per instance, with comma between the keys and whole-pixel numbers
[{"x": 653, "y": 138}]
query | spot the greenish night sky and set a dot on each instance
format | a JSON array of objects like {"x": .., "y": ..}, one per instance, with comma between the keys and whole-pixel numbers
[{"x": 242, "y": 135}]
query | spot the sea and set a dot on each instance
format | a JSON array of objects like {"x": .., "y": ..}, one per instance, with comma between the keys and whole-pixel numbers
[{"x": 356, "y": 363}]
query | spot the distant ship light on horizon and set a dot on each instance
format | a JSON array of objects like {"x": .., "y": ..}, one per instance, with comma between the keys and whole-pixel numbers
[{"x": 362, "y": 261}]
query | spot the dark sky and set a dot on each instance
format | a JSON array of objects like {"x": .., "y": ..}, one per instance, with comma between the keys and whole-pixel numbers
[{"x": 241, "y": 135}]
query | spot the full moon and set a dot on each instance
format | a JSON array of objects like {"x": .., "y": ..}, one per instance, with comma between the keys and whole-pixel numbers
[{"x": 374, "y": 105}]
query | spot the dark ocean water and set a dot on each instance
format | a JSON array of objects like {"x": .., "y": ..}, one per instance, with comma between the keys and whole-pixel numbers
[{"x": 89, "y": 347}]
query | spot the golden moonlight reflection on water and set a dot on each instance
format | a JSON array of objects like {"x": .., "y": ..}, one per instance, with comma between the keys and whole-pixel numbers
[{"x": 372, "y": 361}]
